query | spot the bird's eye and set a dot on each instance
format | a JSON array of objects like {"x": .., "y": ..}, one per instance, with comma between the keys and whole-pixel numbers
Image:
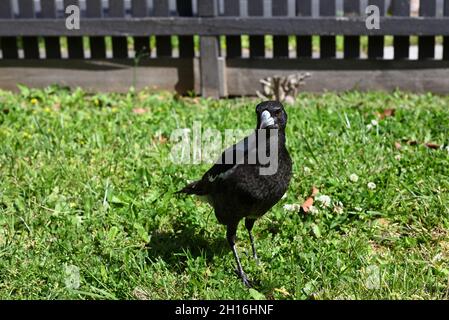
[{"x": 277, "y": 113}]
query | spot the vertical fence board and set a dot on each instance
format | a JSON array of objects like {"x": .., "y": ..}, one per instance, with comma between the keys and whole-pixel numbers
[
  {"x": 351, "y": 44},
  {"x": 8, "y": 44},
  {"x": 30, "y": 44},
  {"x": 256, "y": 43},
  {"x": 212, "y": 80},
  {"x": 376, "y": 43},
  {"x": 119, "y": 44},
  {"x": 233, "y": 43},
  {"x": 94, "y": 9},
  {"x": 52, "y": 45},
  {"x": 186, "y": 48},
  {"x": 163, "y": 43},
  {"x": 446, "y": 38},
  {"x": 401, "y": 43},
  {"x": 327, "y": 43},
  {"x": 280, "y": 43},
  {"x": 74, "y": 43},
  {"x": 426, "y": 44},
  {"x": 304, "y": 43},
  {"x": 139, "y": 9}
]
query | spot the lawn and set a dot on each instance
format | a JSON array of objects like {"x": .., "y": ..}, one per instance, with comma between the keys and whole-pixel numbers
[{"x": 86, "y": 188}]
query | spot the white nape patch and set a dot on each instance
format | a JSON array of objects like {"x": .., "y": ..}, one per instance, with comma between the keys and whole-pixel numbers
[{"x": 266, "y": 120}]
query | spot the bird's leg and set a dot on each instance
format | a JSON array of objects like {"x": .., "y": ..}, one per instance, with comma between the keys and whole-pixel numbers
[
  {"x": 249, "y": 223},
  {"x": 231, "y": 237}
]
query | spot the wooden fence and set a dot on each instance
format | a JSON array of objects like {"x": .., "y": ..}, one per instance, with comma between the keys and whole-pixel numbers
[{"x": 220, "y": 48}]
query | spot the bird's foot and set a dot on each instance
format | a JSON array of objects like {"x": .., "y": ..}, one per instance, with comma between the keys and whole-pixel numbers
[{"x": 244, "y": 278}]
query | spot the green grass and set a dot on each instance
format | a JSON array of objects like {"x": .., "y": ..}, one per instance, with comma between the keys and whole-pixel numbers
[{"x": 87, "y": 182}]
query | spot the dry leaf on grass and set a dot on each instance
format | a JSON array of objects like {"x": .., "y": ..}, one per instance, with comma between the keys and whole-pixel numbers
[
  {"x": 139, "y": 110},
  {"x": 386, "y": 113},
  {"x": 305, "y": 207}
]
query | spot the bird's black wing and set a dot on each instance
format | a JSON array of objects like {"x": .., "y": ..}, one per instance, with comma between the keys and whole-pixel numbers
[{"x": 232, "y": 157}]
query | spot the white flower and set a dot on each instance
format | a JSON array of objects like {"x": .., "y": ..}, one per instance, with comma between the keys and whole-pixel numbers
[
  {"x": 284, "y": 196},
  {"x": 358, "y": 209},
  {"x": 292, "y": 207},
  {"x": 353, "y": 177},
  {"x": 397, "y": 157},
  {"x": 374, "y": 123},
  {"x": 307, "y": 170},
  {"x": 325, "y": 200},
  {"x": 313, "y": 210},
  {"x": 371, "y": 185},
  {"x": 368, "y": 127}
]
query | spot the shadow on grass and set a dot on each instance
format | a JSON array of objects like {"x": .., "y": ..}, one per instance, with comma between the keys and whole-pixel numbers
[{"x": 186, "y": 241}]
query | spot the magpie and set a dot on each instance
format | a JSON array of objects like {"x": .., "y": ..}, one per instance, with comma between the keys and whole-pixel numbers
[{"x": 245, "y": 183}]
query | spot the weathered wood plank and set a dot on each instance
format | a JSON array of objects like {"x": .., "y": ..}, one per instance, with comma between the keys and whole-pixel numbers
[
  {"x": 119, "y": 44},
  {"x": 401, "y": 43},
  {"x": 94, "y": 9},
  {"x": 303, "y": 42},
  {"x": 30, "y": 43},
  {"x": 426, "y": 44},
  {"x": 227, "y": 26},
  {"x": 327, "y": 43},
  {"x": 52, "y": 45},
  {"x": 75, "y": 45},
  {"x": 163, "y": 42},
  {"x": 8, "y": 44},
  {"x": 100, "y": 75},
  {"x": 351, "y": 49},
  {"x": 233, "y": 43},
  {"x": 376, "y": 43},
  {"x": 212, "y": 80},
  {"x": 280, "y": 43},
  {"x": 256, "y": 43},
  {"x": 243, "y": 75},
  {"x": 139, "y": 9}
]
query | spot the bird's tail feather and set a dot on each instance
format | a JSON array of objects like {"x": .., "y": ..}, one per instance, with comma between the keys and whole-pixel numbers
[{"x": 192, "y": 188}]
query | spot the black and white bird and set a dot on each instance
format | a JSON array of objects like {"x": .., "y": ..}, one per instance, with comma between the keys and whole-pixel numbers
[{"x": 243, "y": 184}]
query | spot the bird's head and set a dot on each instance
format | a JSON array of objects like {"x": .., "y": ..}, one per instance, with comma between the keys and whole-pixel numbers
[{"x": 271, "y": 115}]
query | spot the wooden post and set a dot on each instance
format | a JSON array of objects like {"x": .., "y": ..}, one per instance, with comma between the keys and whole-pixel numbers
[{"x": 212, "y": 75}]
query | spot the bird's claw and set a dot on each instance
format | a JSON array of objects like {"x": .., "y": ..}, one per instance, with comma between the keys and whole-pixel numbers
[{"x": 244, "y": 278}]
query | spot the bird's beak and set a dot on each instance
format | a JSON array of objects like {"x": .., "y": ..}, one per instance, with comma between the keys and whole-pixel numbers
[{"x": 266, "y": 120}]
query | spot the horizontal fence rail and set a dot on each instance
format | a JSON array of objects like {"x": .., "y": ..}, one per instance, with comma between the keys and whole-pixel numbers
[
  {"x": 226, "y": 26},
  {"x": 225, "y": 47}
]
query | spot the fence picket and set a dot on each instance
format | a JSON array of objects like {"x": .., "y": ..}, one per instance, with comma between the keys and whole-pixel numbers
[
  {"x": 163, "y": 43},
  {"x": 52, "y": 45},
  {"x": 8, "y": 44},
  {"x": 256, "y": 43},
  {"x": 233, "y": 43},
  {"x": 304, "y": 43},
  {"x": 119, "y": 44},
  {"x": 139, "y": 9},
  {"x": 30, "y": 44},
  {"x": 351, "y": 43},
  {"x": 376, "y": 43},
  {"x": 401, "y": 43},
  {"x": 94, "y": 9},
  {"x": 186, "y": 48},
  {"x": 426, "y": 44},
  {"x": 280, "y": 43},
  {"x": 75, "y": 45},
  {"x": 327, "y": 43},
  {"x": 212, "y": 79},
  {"x": 446, "y": 38}
]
